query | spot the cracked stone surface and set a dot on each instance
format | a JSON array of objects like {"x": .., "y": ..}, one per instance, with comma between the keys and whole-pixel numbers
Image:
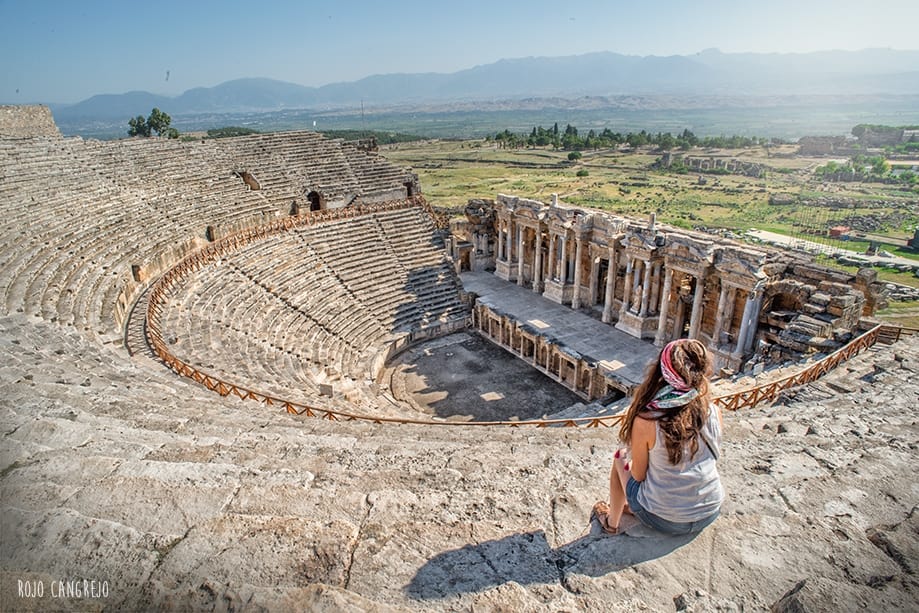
[{"x": 178, "y": 498}]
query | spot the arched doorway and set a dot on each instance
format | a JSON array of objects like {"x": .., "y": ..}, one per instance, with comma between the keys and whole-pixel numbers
[
  {"x": 784, "y": 301},
  {"x": 317, "y": 202}
]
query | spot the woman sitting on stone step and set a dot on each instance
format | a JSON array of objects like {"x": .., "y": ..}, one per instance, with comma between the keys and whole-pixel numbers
[{"x": 666, "y": 476}]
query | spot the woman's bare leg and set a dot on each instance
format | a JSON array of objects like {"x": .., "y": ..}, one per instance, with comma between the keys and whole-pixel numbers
[{"x": 618, "y": 477}]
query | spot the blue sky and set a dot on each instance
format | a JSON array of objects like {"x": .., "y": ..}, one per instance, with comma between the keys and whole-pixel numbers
[{"x": 68, "y": 50}]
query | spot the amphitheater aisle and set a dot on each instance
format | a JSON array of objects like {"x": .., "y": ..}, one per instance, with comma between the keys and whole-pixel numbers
[{"x": 115, "y": 471}]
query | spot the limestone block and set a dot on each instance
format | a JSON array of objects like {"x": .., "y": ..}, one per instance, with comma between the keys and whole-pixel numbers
[
  {"x": 793, "y": 344},
  {"x": 161, "y": 497},
  {"x": 843, "y": 301},
  {"x": 817, "y": 594},
  {"x": 241, "y": 550},
  {"x": 285, "y": 492},
  {"x": 899, "y": 542},
  {"x": 318, "y": 598},
  {"x": 700, "y": 601},
  {"x": 77, "y": 546}
]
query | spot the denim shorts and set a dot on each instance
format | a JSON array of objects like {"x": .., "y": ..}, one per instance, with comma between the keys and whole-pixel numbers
[{"x": 659, "y": 523}]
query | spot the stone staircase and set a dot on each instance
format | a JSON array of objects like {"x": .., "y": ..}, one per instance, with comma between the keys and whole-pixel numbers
[{"x": 593, "y": 409}]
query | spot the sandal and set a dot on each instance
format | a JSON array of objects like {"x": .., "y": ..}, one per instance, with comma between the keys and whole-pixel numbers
[{"x": 601, "y": 513}]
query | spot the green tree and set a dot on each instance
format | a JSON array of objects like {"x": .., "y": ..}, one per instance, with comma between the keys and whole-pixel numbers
[
  {"x": 636, "y": 140},
  {"x": 574, "y": 155},
  {"x": 158, "y": 122},
  {"x": 879, "y": 166},
  {"x": 666, "y": 141},
  {"x": 138, "y": 127}
]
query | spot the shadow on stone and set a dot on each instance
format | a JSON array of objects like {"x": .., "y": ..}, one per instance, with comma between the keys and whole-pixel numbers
[{"x": 528, "y": 559}]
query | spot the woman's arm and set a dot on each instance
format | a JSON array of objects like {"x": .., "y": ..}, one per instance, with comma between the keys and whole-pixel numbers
[{"x": 644, "y": 433}]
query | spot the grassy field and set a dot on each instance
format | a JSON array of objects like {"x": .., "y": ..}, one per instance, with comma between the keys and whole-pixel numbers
[
  {"x": 903, "y": 313},
  {"x": 627, "y": 183}
]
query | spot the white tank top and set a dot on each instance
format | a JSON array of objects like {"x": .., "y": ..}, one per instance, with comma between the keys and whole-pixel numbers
[{"x": 688, "y": 491}]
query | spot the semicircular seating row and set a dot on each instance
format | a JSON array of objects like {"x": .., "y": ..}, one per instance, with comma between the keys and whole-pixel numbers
[
  {"x": 314, "y": 304},
  {"x": 76, "y": 215}
]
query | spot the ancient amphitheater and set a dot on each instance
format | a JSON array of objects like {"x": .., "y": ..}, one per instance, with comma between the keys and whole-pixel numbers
[{"x": 203, "y": 347}]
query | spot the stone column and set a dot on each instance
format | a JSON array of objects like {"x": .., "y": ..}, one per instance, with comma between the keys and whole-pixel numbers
[
  {"x": 719, "y": 314},
  {"x": 578, "y": 252},
  {"x": 753, "y": 319},
  {"x": 636, "y": 283},
  {"x": 594, "y": 277},
  {"x": 655, "y": 288},
  {"x": 500, "y": 240},
  {"x": 563, "y": 273},
  {"x": 550, "y": 265},
  {"x": 646, "y": 291},
  {"x": 661, "y": 337},
  {"x": 744, "y": 324},
  {"x": 508, "y": 246},
  {"x": 679, "y": 320},
  {"x": 610, "y": 285},
  {"x": 520, "y": 254},
  {"x": 537, "y": 263},
  {"x": 695, "y": 320},
  {"x": 627, "y": 290},
  {"x": 725, "y": 311},
  {"x": 748, "y": 323}
]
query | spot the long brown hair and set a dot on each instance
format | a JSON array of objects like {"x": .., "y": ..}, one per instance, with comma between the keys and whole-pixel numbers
[{"x": 682, "y": 424}]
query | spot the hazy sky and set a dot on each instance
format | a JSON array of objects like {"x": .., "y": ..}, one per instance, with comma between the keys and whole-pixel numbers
[{"x": 68, "y": 50}]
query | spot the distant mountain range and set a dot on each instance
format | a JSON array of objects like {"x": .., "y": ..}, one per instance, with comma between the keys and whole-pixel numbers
[{"x": 708, "y": 73}]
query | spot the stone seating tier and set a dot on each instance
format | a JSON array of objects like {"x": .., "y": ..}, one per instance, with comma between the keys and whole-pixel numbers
[
  {"x": 325, "y": 298},
  {"x": 116, "y": 469},
  {"x": 76, "y": 215}
]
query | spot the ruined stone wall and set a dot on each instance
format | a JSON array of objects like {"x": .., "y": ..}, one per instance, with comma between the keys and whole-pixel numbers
[
  {"x": 668, "y": 283},
  {"x": 823, "y": 145},
  {"x": 27, "y": 122},
  {"x": 713, "y": 164},
  {"x": 873, "y": 137},
  {"x": 731, "y": 166}
]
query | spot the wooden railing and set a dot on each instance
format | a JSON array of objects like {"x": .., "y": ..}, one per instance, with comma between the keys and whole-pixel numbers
[
  {"x": 744, "y": 399},
  {"x": 891, "y": 334},
  {"x": 751, "y": 397}
]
